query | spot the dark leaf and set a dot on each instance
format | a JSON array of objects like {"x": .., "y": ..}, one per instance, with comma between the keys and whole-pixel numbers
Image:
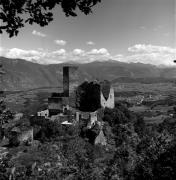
[
  {"x": 71, "y": 13},
  {"x": 37, "y": 11},
  {"x": 16, "y": 32}
]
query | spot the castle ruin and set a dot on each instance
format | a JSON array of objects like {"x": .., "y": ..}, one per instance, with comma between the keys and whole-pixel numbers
[{"x": 58, "y": 101}]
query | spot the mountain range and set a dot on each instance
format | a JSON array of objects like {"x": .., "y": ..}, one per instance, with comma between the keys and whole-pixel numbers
[{"x": 22, "y": 75}]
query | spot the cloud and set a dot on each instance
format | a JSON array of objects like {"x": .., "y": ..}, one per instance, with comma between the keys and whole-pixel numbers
[
  {"x": 101, "y": 54},
  {"x": 78, "y": 52},
  {"x": 152, "y": 58},
  {"x": 37, "y": 33},
  {"x": 90, "y": 43},
  {"x": 39, "y": 56},
  {"x": 60, "y": 52},
  {"x": 118, "y": 57},
  {"x": 101, "y": 51},
  {"x": 143, "y": 53},
  {"x": 142, "y": 48},
  {"x": 151, "y": 54},
  {"x": 61, "y": 55},
  {"x": 82, "y": 56},
  {"x": 60, "y": 42},
  {"x": 23, "y": 54}
]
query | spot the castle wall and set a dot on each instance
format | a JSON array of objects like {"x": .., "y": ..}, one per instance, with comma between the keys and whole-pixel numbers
[
  {"x": 44, "y": 113},
  {"x": 93, "y": 119},
  {"x": 56, "y": 104},
  {"x": 110, "y": 101}
]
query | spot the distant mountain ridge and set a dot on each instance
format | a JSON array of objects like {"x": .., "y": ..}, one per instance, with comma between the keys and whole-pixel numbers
[{"x": 22, "y": 74}]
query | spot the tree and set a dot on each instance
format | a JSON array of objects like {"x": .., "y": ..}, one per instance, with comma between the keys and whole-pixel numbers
[
  {"x": 15, "y": 13},
  {"x": 88, "y": 96}
]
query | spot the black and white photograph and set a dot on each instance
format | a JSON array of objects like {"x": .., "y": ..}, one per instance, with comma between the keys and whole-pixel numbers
[{"x": 87, "y": 89}]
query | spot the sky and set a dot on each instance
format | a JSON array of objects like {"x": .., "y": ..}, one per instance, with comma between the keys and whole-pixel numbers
[{"x": 122, "y": 30}]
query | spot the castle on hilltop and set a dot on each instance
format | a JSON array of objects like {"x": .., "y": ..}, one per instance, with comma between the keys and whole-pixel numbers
[
  {"x": 62, "y": 106},
  {"x": 58, "y": 102}
]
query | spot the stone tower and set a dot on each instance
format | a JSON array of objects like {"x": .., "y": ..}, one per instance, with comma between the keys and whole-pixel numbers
[
  {"x": 70, "y": 79},
  {"x": 66, "y": 81},
  {"x": 58, "y": 101}
]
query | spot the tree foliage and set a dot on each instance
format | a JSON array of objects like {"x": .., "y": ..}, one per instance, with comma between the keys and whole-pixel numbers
[
  {"x": 134, "y": 150},
  {"x": 15, "y": 13},
  {"x": 88, "y": 96}
]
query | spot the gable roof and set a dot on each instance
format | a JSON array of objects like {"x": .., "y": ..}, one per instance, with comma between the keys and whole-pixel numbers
[{"x": 101, "y": 139}]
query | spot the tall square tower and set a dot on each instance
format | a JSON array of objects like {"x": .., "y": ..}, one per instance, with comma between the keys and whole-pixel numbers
[{"x": 70, "y": 79}]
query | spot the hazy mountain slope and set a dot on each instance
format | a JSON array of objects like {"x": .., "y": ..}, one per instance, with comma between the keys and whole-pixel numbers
[
  {"x": 114, "y": 69},
  {"x": 21, "y": 74}
]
